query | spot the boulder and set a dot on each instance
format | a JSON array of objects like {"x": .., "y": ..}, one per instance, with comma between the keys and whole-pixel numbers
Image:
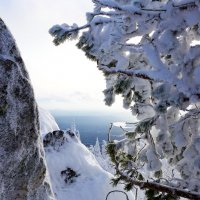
[{"x": 22, "y": 166}]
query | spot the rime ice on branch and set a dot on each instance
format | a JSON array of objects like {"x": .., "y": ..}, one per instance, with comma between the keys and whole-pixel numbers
[{"x": 150, "y": 54}]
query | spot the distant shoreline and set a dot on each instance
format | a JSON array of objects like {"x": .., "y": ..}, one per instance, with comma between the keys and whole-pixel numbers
[{"x": 90, "y": 127}]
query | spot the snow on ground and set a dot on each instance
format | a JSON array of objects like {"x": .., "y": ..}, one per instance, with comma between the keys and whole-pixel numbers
[
  {"x": 67, "y": 152},
  {"x": 93, "y": 182}
]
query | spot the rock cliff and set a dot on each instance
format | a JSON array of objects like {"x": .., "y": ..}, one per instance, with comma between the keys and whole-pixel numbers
[{"x": 22, "y": 168}]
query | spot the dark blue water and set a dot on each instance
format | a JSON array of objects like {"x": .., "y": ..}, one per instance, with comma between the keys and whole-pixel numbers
[{"x": 91, "y": 127}]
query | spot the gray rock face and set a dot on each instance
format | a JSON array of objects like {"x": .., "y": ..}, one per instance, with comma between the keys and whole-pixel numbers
[{"x": 22, "y": 168}]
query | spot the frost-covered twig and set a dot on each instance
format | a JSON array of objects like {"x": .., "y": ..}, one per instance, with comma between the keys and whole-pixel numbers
[{"x": 119, "y": 191}]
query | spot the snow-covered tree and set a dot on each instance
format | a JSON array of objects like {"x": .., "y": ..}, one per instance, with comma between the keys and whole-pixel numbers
[
  {"x": 97, "y": 150},
  {"x": 102, "y": 156},
  {"x": 91, "y": 148},
  {"x": 149, "y": 52}
]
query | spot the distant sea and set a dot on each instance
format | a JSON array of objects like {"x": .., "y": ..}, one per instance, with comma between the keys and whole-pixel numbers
[{"x": 91, "y": 127}]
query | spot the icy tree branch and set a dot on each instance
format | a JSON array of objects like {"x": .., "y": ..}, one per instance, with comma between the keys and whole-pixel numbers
[{"x": 149, "y": 54}]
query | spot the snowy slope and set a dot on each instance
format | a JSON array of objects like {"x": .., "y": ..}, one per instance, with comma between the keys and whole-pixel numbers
[
  {"x": 63, "y": 150},
  {"x": 47, "y": 122},
  {"x": 93, "y": 180}
]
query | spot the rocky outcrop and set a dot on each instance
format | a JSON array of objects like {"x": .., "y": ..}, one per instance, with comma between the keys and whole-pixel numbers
[
  {"x": 55, "y": 139},
  {"x": 22, "y": 168},
  {"x": 74, "y": 171}
]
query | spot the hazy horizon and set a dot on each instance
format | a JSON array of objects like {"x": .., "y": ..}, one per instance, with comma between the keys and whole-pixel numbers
[{"x": 56, "y": 112}]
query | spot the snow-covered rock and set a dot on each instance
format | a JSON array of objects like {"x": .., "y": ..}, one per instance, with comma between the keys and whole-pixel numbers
[
  {"x": 47, "y": 122},
  {"x": 74, "y": 172},
  {"x": 92, "y": 182},
  {"x": 22, "y": 169}
]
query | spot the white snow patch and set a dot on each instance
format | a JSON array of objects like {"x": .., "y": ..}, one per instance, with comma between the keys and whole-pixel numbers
[
  {"x": 93, "y": 182},
  {"x": 47, "y": 122}
]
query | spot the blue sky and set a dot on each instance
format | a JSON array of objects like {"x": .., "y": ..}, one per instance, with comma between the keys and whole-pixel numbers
[{"x": 63, "y": 78}]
